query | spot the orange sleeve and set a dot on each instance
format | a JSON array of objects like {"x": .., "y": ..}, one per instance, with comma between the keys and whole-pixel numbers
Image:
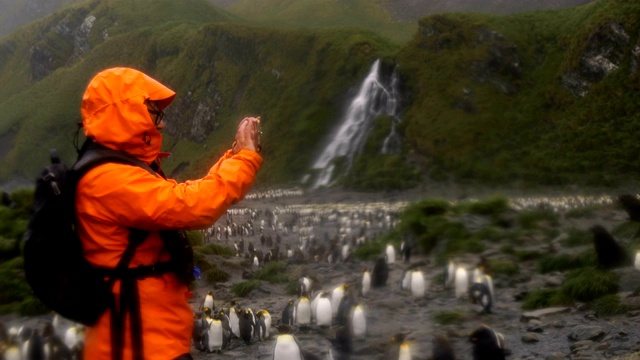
[{"x": 132, "y": 197}]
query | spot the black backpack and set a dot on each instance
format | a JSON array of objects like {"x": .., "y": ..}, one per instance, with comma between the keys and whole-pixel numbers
[{"x": 54, "y": 265}]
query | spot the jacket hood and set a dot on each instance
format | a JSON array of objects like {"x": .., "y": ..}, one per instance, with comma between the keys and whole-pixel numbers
[{"x": 114, "y": 113}]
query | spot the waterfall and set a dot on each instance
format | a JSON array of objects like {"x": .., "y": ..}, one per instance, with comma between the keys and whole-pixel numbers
[{"x": 373, "y": 98}]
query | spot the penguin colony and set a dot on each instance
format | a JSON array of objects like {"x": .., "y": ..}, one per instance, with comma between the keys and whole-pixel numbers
[
  {"x": 340, "y": 308},
  {"x": 335, "y": 310}
]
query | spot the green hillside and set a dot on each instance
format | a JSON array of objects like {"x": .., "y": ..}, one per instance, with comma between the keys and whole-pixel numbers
[{"x": 535, "y": 98}]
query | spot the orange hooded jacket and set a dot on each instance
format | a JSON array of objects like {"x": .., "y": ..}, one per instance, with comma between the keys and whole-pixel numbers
[{"x": 112, "y": 198}]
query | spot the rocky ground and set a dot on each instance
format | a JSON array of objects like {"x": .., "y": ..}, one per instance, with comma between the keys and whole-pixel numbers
[{"x": 559, "y": 333}]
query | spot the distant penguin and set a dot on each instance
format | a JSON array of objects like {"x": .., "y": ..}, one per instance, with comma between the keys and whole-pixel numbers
[
  {"x": 287, "y": 313},
  {"x": 12, "y": 351},
  {"x": 303, "y": 311},
  {"x": 461, "y": 282},
  {"x": 610, "y": 253},
  {"x": 441, "y": 349},
  {"x": 33, "y": 348},
  {"x": 380, "y": 273},
  {"x": 450, "y": 273},
  {"x": 358, "y": 323},
  {"x": 215, "y": 338},
  {"x": 226, "y": 327},
  {"x": 305, "y": 285},
  {"x": 405, "y": 280},
  {"x": 287, "y": 346},
  {"x": 247, "y": 326},
  {"x": 636, "y": 263},
  {"x": 336, "y": 298},
  {"x": 324, "y": 313},
  {"x": 345, "y": 308},
  {"x": 366, "y": 282},
  {"x": 208, "y": 301},
  {"x": 486, "y": 344},
  {"x": 418, "y": 284},
  {"x": 256, "y": 262},
  {"x": 390, "y": 254},
  {"x": 405, "y": 250}
]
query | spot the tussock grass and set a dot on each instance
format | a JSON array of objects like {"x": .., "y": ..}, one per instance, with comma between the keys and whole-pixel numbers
[
  {"x": 587, "y": 284},
  {"x": 215, "y": 275},
  {"x": 273, "y": 272},
  {"x": 215, "y": 249},
  {"x": 565, "y": 262},
  {"x": 544, "y": 298},
  {"x": 609, "y": 305},
  {"x": 243, "y": 289},
  {"x": 504, "y": 267}
]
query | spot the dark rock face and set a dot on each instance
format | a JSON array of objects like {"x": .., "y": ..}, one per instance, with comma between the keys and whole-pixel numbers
[
  {"x": 197, "y": 118},
  {"x": 63, "y": 43},
  {"x": 602, "y": 56}
]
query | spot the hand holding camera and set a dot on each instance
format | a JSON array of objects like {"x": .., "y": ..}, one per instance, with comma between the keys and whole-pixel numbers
[{"x": 248, "y": 135}]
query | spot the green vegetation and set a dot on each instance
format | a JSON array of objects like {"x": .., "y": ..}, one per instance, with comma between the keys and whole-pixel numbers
[
  {"x": 274, "y": 272},
  {"x": 587, "y": 284},
  {"x": 215, "y": 249},
  {"x": 243, "y": 289},
  {"x": 215, "y": 275},
  {"x": 504, "y": 267},
  {"x": 447, "y": 317},
  {"x": 544, "y": 298},
  {"x": 609, "y": 305},
  {"x": 565, "y": 262}
]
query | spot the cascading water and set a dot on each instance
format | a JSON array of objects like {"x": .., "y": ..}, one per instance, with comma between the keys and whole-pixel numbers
[{"x": 374, "y": 98}]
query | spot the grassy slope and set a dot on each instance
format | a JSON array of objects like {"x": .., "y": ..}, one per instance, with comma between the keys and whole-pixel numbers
[
  {"x": 296, "y": 80},
  {"x": 202, "y": 60},
  {"x": 540, "y": 134}
]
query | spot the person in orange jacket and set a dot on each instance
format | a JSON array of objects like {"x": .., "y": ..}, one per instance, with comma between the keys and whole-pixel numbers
[{"x": 122, "y": 110}]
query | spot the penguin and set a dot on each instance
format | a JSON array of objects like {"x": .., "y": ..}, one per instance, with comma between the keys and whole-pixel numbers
[
  {"x": 234, "y": 320},
  {"x": 287, "y": 346},
  {"x": 358, "y": 323},
  {"x": 399, "y": 349},
  {"x": 486, "y": 344},
  {"x": 341, "y": 344},
  {"x": 199, "y": 331},
  {"x": 441, "y": 349},
  {"x": 461, "y": 282},
  {"x": 449, "y": 273},
  {"x": 610, "y": 253},
  {"x": 226, "y": 328},
  {"x": 405, "y": 280},
  {"x": 405, "y": 250},
  {"x": 380, "y": 273},
  {"x": 264, "y": 324},
  {"x": 347, "y": 303},
  {"x": 324, "y": 314},
  {"x": 208, "y": 301},
  {"x": 480, "y": 294},
  {"x": 303, "y": 311},
  {"x": 33, "y": 348},
  {"x": 12, "y": 351},
  {"x": 72, "y": 339},
  {"x": 366, "y": 282},
  {"x": 215, "y": 335},
  {"x": 390, "y": 254},
  {"x": 207, "y": 313},
  {"x": 247, "y": 326},
  {"x": 418, "y": 284},
  {"x": 336, "y": 297},
  {"x": 287, "y": 313},
  {"x": 636, "y": 263}
]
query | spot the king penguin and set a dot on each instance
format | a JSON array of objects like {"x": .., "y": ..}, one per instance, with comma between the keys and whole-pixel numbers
[
  {"x": 487, "y": 344},
  {"x": 287, "y": 346},
  {"x": 400, "y": 349},
  {"x": 324, "y": 314},
  {"x": 390, "y": 254},
  {"x": 287, "y": 313},
  {"x": 247, "y": 326},
  {"x": 418, "y": 284},
  {"x": 336, "y": 297},
  {"x": 358, "y": 323},
  {"x": 234, "y": 320},
  {"x": 208, "y": 301},
  {"x": 462, "y": 282},
  {"x": 380, "y": 273},
  {"x": 366, "y": 282},
  {"x": 265, "y": 323},
  {"x": 215, "y": 337},
  {"x": 303, "y": 311}
]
